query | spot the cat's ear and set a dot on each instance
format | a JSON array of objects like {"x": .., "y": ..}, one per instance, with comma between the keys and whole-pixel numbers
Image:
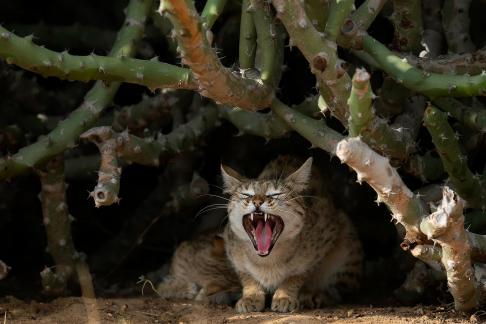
[
  {"x": 231, "y": 179},
  {"x": 299, "y": 180}
]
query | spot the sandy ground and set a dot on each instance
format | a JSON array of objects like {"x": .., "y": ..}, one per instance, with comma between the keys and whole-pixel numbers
[{"x": 151, "y": 310}]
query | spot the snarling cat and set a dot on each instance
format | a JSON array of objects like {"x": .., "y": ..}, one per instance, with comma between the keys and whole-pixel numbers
[{"x": 285, "y": 237}]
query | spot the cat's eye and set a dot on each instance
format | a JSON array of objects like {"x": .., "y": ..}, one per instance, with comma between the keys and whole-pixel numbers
[
  {"x": 244, "y": 195},
  {"x": 275, "y": 194}
]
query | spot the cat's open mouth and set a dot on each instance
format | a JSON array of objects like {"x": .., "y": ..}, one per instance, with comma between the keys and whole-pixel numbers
[{"x": 263, "y": 230}]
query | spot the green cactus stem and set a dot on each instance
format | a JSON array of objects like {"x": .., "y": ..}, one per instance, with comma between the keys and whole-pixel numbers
[
  {"x": 267, "y": 125},
  {"x": 247, "y": 46},
  {"x": 472, "y": 117},
  {"x": 315, "y": 131},
  {"x": 339, "y": 12},
  {"x": 407, "y": 20},
  {"x": 430, "y": 84},
  {"x": 57, "y": 222},
  {"x": 212, "y": 10},
  {"x": 445, "y": 226},
  {"x": 467, "y": 185},
  {"x": 455, "y": 20},
  {"x": 317, "y": 11},
  {"x": 97, "y": 99},
  {"x": 215, "y": 81},
  {"x": 270, "y": 41},
  {"x": 153, "y": 74},
  {"x": 359, "y": 102},
  {"x": 334, "y": 82},
  {"x": 367, "y": 12},
  {"x": 394, "y": 142}
]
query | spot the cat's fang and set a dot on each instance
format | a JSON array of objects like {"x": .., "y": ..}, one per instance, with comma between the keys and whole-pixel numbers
[
  {"x": 251, "y": 217},
  {"x": 265, "y": 217}
]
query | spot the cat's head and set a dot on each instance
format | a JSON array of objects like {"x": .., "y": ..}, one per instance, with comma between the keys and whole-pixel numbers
[{"x": 264, "y": 211}]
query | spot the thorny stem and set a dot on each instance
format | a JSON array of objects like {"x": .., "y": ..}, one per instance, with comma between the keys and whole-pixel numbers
[
  {"x": 472, "y": 117},
  {"x": 339, "y": 11},
  {"x": 119, "y": 67},
  {"x": 212, "y": 10},
  {"x": 97, "y": 99},
  {"x": 461, "y": 178},
  {"x": 367, "y": 12},
  {"x": 132, "y": 149},
  {"x": 57, "y": 222},
  {"x": 445, "y": 226},
  {"x": 247, "y": 47},
  {"x": 215, "y": 81},
  {"x": 334, "y": 82},
  {"x": 430, "y": 84},
  {"x": 407, "y": 20},
  {"x": 315, "y": 131}
]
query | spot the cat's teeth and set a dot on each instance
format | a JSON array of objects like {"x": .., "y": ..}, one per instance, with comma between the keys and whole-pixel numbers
[
  {"x": 251, "y": 217},
  {"x": 265, "y": 217}
]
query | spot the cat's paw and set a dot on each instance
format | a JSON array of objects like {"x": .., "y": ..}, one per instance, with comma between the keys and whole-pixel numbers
[
  {"x": 284, "y": 303},
  {"x": 252, "y": 303}
]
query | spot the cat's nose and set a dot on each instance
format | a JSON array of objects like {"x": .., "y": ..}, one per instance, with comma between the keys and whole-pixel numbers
[{"x": 258, "y": 200}]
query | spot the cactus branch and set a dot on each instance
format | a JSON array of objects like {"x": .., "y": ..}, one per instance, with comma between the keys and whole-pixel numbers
[
  {"x": 106, "y": 191},
  {"x": 247, "y": 47},
  {"x": 461, "y": 178},
  {"x": 360, "y": 99},
  {"x": 334, "y": 82},
  {"x": 367, "y": 12},
  {"x": 57, "y": 222},
  {"x": 97, "y": 99},
  {"x": 153, "y": 74},
  {"x": 215, "y": 81},
  {"x": 212, "y": 10},
  {"x": 132, "y": 149},
  {"x": 315, "y": 131},
  {"x": 266, "y": 125},
  {"x": 407, "y": 20},
  {"x": 430, "y": 84},
  {"x": 455, "y": 20},
  {"x": 472, "y": 117},
  {"x": 339, "y": 11},
  {"x": 445, "y": 226},
  {"x": 394, "y": 142},
  {"x": 376, "y": 170}
]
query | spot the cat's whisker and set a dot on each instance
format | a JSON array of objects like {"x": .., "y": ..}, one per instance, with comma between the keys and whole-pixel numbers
[{"x": 216, "y": 196}]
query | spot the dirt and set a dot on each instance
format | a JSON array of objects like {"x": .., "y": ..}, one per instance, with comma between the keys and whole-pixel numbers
[{"x": 151, "y": 310}]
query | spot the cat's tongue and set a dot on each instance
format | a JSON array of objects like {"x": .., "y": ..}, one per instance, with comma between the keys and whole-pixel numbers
[{"x": 263, "y": 235}]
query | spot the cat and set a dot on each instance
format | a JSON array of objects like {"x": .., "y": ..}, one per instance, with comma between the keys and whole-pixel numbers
[
  {"x": 200, "y": 271},
  {"x": 285, "y": 237}
]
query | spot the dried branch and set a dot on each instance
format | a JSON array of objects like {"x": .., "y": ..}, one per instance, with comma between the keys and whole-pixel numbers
[
  {"x": 406, "y": 208},
  {"x": 445, "y": 226},
  {"x": 215, "y": 81}
]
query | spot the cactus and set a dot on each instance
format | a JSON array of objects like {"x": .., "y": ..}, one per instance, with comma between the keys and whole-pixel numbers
[{"x": 378, "y": 137}]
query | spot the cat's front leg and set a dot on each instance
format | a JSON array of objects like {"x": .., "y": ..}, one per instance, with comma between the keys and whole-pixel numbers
[
  {"x": 253, "y": 298},
  {"x": 286, "y": 297}
]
